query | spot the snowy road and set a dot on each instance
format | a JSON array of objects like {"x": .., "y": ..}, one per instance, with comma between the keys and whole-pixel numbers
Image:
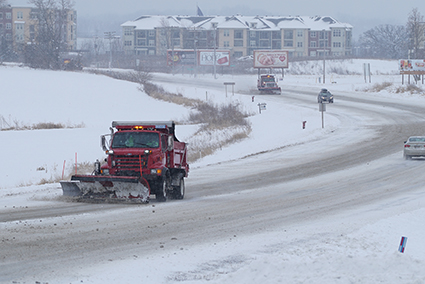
[{"x": 272, "y": 189}]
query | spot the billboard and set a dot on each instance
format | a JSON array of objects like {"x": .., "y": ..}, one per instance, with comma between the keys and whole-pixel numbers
[
  {"x": 411, "y": 65},
  {"x": 206, "y": 58},
  {"x": 270, "y": 59},
  {"x": 181, "y": 57}
]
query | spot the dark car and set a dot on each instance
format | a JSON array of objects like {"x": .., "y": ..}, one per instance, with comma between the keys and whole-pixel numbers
[{"x": 325, "y": 97}]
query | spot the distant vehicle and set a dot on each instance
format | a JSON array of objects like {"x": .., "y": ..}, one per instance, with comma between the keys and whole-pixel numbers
[
  {"x": 325, "y": 97},
  {"x": 267, "y": 84},
  {"x": 414, "y": 147}
]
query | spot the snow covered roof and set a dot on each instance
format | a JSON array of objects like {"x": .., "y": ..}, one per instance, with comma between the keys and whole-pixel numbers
[
  {"x": 152, "y": 22},
  {"x": 238, "y": 22}
]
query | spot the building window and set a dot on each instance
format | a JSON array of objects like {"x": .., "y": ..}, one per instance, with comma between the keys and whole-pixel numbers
[
  {"x": 20, "y": 15},
  {"x": 288, "y": 43},
  {"x": 336, "y": 44},
  {"x": 252, "y": 43},
  {"x": 336, "y": 33},
  {"x": 323, "y": 43},
  {"x": 252, "y": 34},
  {"x": 276, "y": 35},
  {"x": 1, "y": 26},
  {"x": 128, "y": 31},
  {"x": 265, "y": 43},
  {"x": 313, "y": 43},
  {"x": 276, "y": 45},
  {"x": 288, "y": 34},
  {"x": 151, "y": 42},
  {"x": 300, "y": 34},
  {"x": 313, "y": 34},
  {"x": 8, "y": 26},
  {"x": 141, "y": 42},
  {"x": 238, "y": 34},
  {"x": 8, "y": 16},
  {"x": 300, "y": 44},
  {"x": 151, "y": 52},
  {"x": 128, "y": 43},
  {"x": 238, "y": 42},
  {"x": 151, "y": 33},
  {"x": 264, "y": 35},
  {"x": 226, "y": 44},
  {"x": 141, "y": 34},
  {"x": 1, "y": 16},
  {"x": 226, "y": 33}
]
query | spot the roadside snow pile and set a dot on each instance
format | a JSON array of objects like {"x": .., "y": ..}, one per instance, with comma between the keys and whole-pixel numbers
[
  {"x": 393, "y": 88},
  {"x": 206, "y": 142},
  {"x": 342, "y": 67}
]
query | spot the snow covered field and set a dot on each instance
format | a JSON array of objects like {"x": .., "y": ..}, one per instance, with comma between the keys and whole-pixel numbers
[{"x": 352, "y": 247}]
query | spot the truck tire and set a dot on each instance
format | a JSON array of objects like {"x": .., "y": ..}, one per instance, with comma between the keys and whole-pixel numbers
[
  {"x": 178, "y": 192},
  {"x": 162, "y": 190}
]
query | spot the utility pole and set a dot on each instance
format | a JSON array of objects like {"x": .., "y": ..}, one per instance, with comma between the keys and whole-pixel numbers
[{"x": 196, "y": 53}]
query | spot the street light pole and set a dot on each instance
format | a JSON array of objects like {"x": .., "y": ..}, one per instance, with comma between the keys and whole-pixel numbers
[
  {"x": 215, "y": 56},
  {"x": 110, "y": 36},
  {"x": 324, "y": 52}
]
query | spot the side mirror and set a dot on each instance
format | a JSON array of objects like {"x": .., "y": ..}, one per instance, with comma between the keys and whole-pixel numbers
[
  {"x": 170, "y": 143},
  {"x": 103, "y": 143}
]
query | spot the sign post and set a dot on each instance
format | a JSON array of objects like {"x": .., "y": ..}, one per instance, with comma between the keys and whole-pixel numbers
[
  {"x": 322, "y": 108},
  {"x": 262, "y": 106}
]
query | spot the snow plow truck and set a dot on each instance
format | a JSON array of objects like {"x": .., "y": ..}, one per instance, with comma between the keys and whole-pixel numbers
[
  {"x": 143, "y": 158},
  {"x": 267, "y": 84}
]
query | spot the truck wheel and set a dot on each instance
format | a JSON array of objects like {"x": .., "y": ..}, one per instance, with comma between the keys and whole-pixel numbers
[
  {"x": 162, "y": 191},
  {"x": 179, "y": 190}
]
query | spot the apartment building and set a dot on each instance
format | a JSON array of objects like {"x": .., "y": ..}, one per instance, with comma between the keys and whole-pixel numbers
[
  {"x": 18, "y": 26},
  {"x": 6, "y": 33},
  {"x": 241, "y": 35}
]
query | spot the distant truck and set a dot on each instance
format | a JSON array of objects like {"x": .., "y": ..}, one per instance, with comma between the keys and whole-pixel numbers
[
  {"x": 143, "y": 158},
  {"x": 268, "y": 84}
]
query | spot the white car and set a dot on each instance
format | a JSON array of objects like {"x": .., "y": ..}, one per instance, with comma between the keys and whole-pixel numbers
[{"x": 414, "y": 147}]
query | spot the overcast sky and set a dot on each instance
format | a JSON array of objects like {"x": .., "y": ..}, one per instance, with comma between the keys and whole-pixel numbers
[{"x": 362, "y": 14}]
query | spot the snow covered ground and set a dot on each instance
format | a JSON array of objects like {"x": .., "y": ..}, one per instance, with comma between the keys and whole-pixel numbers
[{"x": 356, "y": 250}]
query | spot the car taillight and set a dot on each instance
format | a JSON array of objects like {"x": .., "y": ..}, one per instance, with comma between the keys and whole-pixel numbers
[{"x": 406, "y": 146}]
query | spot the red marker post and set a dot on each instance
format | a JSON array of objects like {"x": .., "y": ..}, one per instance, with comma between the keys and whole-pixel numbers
[{"x": 402, "y": 244}]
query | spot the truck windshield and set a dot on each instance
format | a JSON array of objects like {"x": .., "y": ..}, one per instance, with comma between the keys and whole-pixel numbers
[{"x": 135, "y": 140}]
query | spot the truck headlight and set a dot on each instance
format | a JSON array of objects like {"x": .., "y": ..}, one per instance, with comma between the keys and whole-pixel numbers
[{"x": 156, "y": 171}]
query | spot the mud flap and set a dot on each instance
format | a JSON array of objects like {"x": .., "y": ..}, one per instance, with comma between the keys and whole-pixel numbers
[{"x": 107, "y": 187}]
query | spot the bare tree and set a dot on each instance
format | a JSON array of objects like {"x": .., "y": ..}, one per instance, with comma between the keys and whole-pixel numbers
[
  {"x": 415, "y": 29},
  {"x": 384, "y": 41},
  {"x": 50, "y": 40},
  {"x": 166, "y": 36}
]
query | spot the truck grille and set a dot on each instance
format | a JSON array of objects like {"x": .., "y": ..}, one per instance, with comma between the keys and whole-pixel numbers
[{"x": 130, "y": 165}]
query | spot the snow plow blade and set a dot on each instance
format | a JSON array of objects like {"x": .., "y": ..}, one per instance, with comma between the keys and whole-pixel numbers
[{"x": 107, "y": 187}]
